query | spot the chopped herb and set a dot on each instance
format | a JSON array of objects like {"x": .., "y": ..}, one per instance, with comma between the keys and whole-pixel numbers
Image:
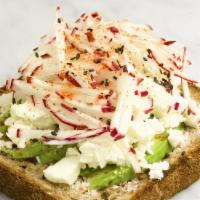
[
  {"x": 36, "y": 54},
  {"x": 145, "y": 59},
  {"x": 114, "y": 77},
  {"x": 19, "y": 101},
  {"x": 85, "y": 72},
  {"x": 167, "y": 74},
  {"x": 166, "y": 84},
  {"x": 102, "y": 83},
  {"x": 125, "y": 69},
  {"x": 151, "y": 116},
  {"x": 108, "y": 122},
  {"x": 55, "y": 131},
  {"x": 155, "y": 79},
  {"x": 76, "y": 57},
  {"x": 13, "y": 100},
  {"x": 107, "y": 82},
  {"x": 96, "y": 61},
  {"x": 120, "y": 50},
  {"x": 35, "y": 49},
  {"x": 91, "y": 70},
  {"x": 59, "y": 20},
  {"x": 90, "y": 29}
]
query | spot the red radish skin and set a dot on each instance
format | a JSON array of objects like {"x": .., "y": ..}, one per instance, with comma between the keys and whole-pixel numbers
[
  {"x": 169, "y": 42},
  {"x": 66, "y": 107},
  {"x": 36, "y": 70},
  {"x": 176, "y": 106},
  {"x": 144, "y": 93},
  {"x": 132, "y": 150},
  {"x": 114, "y": 30},
  {"x": 18, "y": 133}
]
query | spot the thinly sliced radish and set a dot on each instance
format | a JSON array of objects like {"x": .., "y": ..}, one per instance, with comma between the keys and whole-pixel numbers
[
  {"x": 66, "y": 114},
  {"x": 77, "y": 137}
]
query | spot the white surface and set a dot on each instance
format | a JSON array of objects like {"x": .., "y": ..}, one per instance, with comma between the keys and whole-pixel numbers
[{"x": 23, "y": 22}]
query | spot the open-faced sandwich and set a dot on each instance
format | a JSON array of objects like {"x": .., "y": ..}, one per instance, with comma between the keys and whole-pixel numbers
[{"x": 101, "y": 110}]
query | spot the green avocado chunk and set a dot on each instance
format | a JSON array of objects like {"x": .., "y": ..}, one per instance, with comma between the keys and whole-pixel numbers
[
  {"x": 160, "y": 148},
  {"x": 46, "y": 154},
  {"x": 4, "y": 114},
  {"x": 3, "y": 129},
  {"x": 110, "y": 175}
]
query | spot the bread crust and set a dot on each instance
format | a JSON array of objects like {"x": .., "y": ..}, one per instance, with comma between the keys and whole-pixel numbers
[
  {"x": 20, "y": 185},
  {"x": 17, "y": 183}
]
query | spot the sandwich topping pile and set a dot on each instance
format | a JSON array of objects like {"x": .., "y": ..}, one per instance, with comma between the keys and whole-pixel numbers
[{"x": 99, "y": 101}]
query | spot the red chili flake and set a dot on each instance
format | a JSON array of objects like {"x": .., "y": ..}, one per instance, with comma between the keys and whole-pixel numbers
[
  {"x": 72, "y": 80},
  {"x": 18, "y": 133},
  {"x": 176, "y": 106},
  {"x": 107, "y": 108},
  {"x": 144, "y": 93},
  {"x": 114, "y": 30},
  {"x": 90, "y": 36},
  {"x": 95, "y": 84},
  {"x": 136, "y": 92},
  {"x": 95, "y": 14},
  {"x": 169, "y": 42},
  {"x": 100, "y": 53},
  {"x": 46, "y": 55},
  {"x": 132, "y": 150},
  {"x": 61, "y": 75},
  {"x": 29, "y": 79},
  {"x": 35, "y": 70}
]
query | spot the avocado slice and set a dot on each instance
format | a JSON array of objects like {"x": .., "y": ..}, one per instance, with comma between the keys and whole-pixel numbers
[
  {"x": 160, "y": 148},
  {"x": 110, "y": 175},
  {"x": 47, "y": 154}
]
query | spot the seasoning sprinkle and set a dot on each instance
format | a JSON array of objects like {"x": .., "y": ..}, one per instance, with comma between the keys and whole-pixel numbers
[
  {"x": 76, "y": 57},
  {"x": 36, "y": 54},
  {"x": 59, "y": 20},
  {"x": 35, "y": 49},
  {"x": 97, "y": 61},
  {"x": 120, "y": 50}
]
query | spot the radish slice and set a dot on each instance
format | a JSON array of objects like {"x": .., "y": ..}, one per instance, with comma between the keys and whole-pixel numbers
[
  {"x": 67, "y": 115},
  {"x": 77, "y": 137}
]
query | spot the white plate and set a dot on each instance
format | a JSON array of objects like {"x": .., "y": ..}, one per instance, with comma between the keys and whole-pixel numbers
[{"x": 23, "y": 22}]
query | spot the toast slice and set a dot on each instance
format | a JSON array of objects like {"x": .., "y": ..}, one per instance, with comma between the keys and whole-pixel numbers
[
  {"x": 97, "y": 111},
  {"x": 24, "y": 180}
]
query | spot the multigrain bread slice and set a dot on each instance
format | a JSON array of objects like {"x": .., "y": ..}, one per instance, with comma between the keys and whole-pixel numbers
[{"x": 24, "y": 180}]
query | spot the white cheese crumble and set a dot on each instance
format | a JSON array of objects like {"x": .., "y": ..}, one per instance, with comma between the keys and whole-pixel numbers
[{"x": 156, "y": 170}]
